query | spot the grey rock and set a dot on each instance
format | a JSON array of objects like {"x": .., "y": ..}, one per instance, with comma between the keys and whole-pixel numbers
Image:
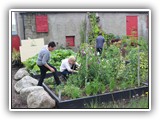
[
  {"x": 40, "y": 99},
  {"x": 25, "y": 82},
  {"x": 20, "y": 74},
  {"x": 26, "y": 91}
]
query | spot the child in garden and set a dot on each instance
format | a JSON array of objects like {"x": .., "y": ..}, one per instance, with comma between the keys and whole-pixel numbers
[
  {"x": 42, "y": 62},
  {"x": 69, "y": 66}
]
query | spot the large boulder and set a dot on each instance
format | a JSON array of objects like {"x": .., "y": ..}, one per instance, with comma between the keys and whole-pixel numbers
[
  {"x": 20, "y": 74},
  {"x": 25, "y": 82},
  {"x": 26, "y": 91},
  {"x": 40, "y": 99}
]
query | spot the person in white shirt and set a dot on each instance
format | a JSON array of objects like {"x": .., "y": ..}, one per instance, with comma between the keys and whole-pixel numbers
[{"x": 69, "y": 66}]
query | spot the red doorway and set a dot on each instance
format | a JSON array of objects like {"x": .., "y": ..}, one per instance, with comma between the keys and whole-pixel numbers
[{"x": 132, "y": 26}]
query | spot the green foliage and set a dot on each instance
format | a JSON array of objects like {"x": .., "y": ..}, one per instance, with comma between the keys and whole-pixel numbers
[
  {"x": 108, "y": 71},
  {"x": 138, "y": 102},
  {"x": 51, "y": 87},
  {"x": 30, "y": 63},
  {"x": 49, "y": 81},
  {"x": 93, "y": 33},
  {"x": 72, "y": 91},
  {"x": 143, "y": 66},
  {"x": 16, "y": 59},
  {"x": 95, "y": 30},
  {"x": 108, "y": 38},
  {"x": 94, "y": 87},
  {"x": 112, "y": 85}
]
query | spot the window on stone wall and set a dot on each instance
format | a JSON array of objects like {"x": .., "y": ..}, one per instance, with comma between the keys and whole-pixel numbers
[
  {"x": 41, "y": 23},
  {"x": 70, "y": 41}
]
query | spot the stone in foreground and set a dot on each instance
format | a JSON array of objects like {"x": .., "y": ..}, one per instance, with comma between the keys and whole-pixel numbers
[
  {"x": 25, "y": 82},
  {"x": 40, "y": 99},
  {"x": 26, "y": 91},
  {"x": 20, "y": 74}
]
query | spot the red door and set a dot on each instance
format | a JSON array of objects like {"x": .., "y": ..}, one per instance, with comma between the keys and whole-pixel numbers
[
  {"x": 70, "y": 41},
  {"x": 132, "y": 26},
  {"x": 15, "y": 42}
]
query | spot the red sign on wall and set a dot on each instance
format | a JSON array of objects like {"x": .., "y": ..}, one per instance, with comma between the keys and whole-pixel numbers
[
  {"x": 70, "y": 40},
  {"x": 41, "y": 23}
]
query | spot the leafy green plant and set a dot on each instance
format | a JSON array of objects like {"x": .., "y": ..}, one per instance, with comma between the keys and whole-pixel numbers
[
  {"x": 72, "y": 91},
  {"x": 16, "y": 59},
  {"x": 49, "y": 81},
  {"x": 94, "y": 87},
  {"x": 51, "y": 87},
  {"x": 94, "y": 31},
  {"x": 112, "y": 84}
]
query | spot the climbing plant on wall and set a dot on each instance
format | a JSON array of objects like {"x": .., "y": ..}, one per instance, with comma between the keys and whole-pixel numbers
[{"x": 95, "y": 29}]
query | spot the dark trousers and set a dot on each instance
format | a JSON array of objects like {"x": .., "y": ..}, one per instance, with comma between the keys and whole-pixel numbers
[
  {"x": 43, "y": 71},
  {"x": 66, "y": 73},
  {"x": 99, "y": 50}
]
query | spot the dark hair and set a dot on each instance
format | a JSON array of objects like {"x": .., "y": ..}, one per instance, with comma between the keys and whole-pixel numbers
[
  {"x": 100, "y": 33},
  {"x": 51, "y": 44}
]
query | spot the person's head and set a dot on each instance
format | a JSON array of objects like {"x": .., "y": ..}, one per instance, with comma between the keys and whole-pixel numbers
[
  {"x": 51, "y": 46},
  {"x": 71, "y": 60},
  {"x": 100, "y": 33}
]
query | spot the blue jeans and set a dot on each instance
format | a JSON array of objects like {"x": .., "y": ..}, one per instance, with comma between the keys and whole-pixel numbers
[{"x": 66, "y": 73}]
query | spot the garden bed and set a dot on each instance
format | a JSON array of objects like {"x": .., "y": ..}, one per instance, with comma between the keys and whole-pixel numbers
[{"x": 106, "y": 97}]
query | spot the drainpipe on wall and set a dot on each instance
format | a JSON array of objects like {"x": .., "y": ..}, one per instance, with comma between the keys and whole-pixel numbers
[{"x": 23, "y": 26}]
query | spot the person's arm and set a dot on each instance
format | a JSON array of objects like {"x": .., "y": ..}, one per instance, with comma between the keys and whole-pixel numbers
[
  {"x": 78, "y": 65},
  {"x": 69, "y": 68},
  {"x": 50, "y": 68}
]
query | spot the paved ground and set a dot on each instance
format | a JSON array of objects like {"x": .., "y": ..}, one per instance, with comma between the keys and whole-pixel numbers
[{"x": 16, "y": 99}]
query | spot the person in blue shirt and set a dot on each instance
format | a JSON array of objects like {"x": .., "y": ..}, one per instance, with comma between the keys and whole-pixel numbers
[
  {"x": 99, "y": 43},
  {"x": 43, "y": 63}
]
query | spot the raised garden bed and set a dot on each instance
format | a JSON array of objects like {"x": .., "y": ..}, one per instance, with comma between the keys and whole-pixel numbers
[{"x": 106, "y": 97}]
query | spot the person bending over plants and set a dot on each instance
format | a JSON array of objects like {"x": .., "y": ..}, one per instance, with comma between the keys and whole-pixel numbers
[
  {"x": 42, "y": 62},
  {"x": 99, "y": 43},
  {"x": 69, "y": 66}
]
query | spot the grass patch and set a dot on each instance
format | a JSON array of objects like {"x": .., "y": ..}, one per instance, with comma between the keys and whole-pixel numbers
[{"x": 135, "y": 102}]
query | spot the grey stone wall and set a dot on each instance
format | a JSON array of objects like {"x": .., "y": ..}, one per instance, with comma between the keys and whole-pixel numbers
[
  {"x": 68, "y": 24},
  {"x": 116, "y": 23},
  {"x": 60, "y": 26},
  {"x": 30, "y": 28}
]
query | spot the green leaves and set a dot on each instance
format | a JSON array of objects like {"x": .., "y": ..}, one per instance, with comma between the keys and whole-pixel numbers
[
  {"x": 72, "y": 91},
  {"x": 94, "y": 87}
]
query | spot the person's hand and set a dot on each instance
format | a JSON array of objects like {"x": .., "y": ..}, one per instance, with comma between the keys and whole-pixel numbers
[
  {"x": 75, "y": 71},
  {"x": 52, "y": 70}
]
